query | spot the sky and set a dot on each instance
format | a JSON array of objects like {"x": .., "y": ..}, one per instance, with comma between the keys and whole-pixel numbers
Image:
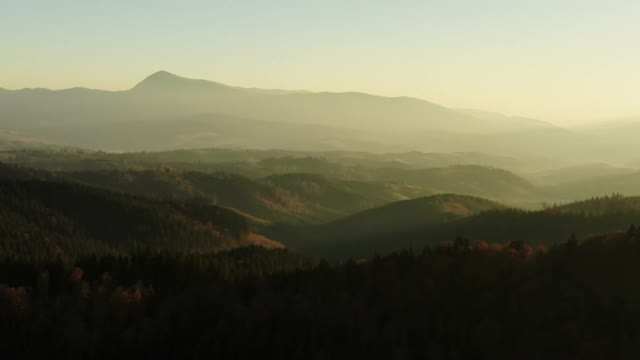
[{"x": 564, "y": 61}]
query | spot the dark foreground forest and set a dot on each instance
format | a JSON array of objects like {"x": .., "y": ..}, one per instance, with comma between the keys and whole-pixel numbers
[
  {"x": 148, "y": 260},
  {"x": 461, "y": 300}
]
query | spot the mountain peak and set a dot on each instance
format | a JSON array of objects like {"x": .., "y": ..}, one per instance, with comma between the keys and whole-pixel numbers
[
  {"x": 158, "y": 78},
  {"x": 166, "y": 81},
  {"x": 160, "y": 75}
]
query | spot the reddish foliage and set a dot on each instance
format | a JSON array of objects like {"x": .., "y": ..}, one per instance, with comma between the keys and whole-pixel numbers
[
  {"x": 618, "y": 236},
  {"x": 128, "y": 296},
  {"x": 18, "y": 299},
  {"x": 496, "y": 247},
  {"x": 480, "y": 245},
  {"x": 511, "y": 252},
  {"x": 76, "y": 275},
  {"x": 527, "y": 251},
  {"x": 543, "y": 250}
]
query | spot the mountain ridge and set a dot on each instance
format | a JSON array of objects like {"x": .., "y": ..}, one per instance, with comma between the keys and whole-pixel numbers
[{"x": 159, "y": 104}]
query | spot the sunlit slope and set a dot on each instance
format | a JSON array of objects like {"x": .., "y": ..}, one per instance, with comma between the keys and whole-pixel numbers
[{"x": 471, "y": 180}]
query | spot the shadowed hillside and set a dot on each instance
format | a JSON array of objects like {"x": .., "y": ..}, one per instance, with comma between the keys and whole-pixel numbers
[
  {"x": 41, "y": 217},
  {"x": 350, "y": 235},
  {"x": 291, "y": 198},
  {"x": 295, "y": 189},
  {"x": 420, "y": 222}
]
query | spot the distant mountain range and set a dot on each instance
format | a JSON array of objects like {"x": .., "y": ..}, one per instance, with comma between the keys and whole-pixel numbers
[
  {"x": 163, "y": 95},
  {"x": 166, "y": 111}
]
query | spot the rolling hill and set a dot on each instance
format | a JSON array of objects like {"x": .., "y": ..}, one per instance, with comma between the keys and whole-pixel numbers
[
  {"x": 577, "y": 173},
  {"x": 282, "y": 189},
  {"x": 626, "y": 184},
  {"x": 505, "y": 122},
  {"x": 473, "y": 180},
  {"x": 444, "y": 218},
  {"x": 290, "y": 198},
  {"x": 54, "y": 217},
  {"x": 351, "y": 235},
  {"x": 596, "y": 206}
]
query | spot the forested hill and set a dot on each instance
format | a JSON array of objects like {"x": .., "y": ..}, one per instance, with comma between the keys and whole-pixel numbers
[
  {"x": 281, "y": 189},
  {"x": 408, "y": 214},
  {"x": 473, "y": 180},
  {"x": 382, "y": 231},
  {"x": 613, "y": 204},
  {"x": 290, "y": 198},
  {"x": 355, "y": 235},
  {"x": 41, "y": 217}
]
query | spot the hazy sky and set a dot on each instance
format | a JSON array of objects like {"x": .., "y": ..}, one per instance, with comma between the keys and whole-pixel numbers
[{"x": 561, "y": 60}]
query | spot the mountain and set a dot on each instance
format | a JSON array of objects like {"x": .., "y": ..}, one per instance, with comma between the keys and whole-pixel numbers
[
  {"x": 349, "y": 110},
  {"x": 163, "y": 81},
  {"x": 505, "y": 122},
  {"x": 613, "y": 138},
  {"x": 577, "y": 173},
  {"x": 626, "y": 184},
  {"x": 166, "y": 111},
  {"x": 622, "y": 129}
]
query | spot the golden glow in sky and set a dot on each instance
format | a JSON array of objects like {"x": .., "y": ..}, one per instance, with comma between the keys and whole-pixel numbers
[{"x": 566, "y": 62}]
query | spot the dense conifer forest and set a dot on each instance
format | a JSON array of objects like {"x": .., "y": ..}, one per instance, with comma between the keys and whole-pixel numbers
[
  {"x": 466, "y": 299},
  {"x": 97, "y": 264}
]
